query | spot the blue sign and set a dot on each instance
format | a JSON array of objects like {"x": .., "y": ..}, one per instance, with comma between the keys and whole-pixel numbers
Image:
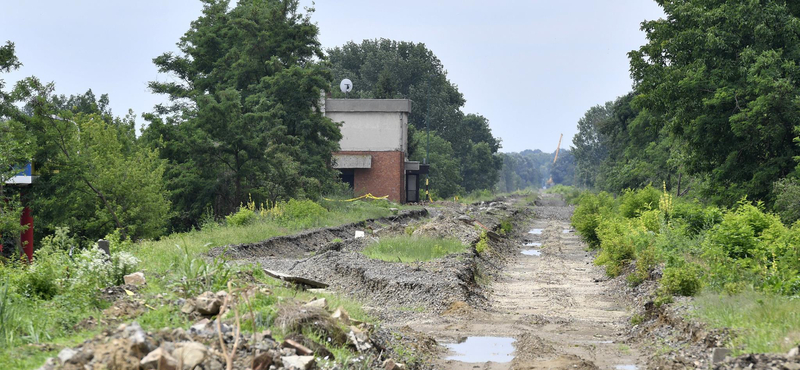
[{"x": 24, "y": 177}]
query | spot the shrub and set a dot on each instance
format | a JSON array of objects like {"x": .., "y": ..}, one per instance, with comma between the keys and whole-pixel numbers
[
  {"x": 787, "y": 199},
  {"x": 682, "y": 280},
  {"x": 634, "y": 202},
  {"x": 506, "y": 226},
  {"x": 483, "y": 243},
  {"x": 244, "y": 216},
  {"x": 590, "y": 210},
  {"x": 302, "y": 210}
]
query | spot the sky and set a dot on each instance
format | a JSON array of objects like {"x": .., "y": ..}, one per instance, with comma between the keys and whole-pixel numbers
[{"x": 531, "y": 67}]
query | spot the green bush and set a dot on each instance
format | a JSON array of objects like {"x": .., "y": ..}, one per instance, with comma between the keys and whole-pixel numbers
[
  {"x": 483, "y": 243},
  {"x": 787, "y": 199},
  {"x": 634, "y": 202},
  {"x": 302, "y": 210},
  {"x": 683, "y": 280},
  {"x": 244, "y": 216},
  {"x": 695, "y": 216},
  {"x": 590, "y": 211}
]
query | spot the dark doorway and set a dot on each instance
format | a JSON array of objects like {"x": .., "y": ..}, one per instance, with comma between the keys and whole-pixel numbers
[
  {"x": 348, "y": 177},
  {"x": 412, "y": 188}
]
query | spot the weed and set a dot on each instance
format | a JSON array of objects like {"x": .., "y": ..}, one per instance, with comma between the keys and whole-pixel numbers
[
  {"x": 483, "y": 243},
  {"x": 413, "y": 248}
]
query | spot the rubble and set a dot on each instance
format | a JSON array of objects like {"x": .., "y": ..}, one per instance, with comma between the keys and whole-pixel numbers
[
  {"x": 208, "y": 304},
  {"x": 135, "y": 279}
]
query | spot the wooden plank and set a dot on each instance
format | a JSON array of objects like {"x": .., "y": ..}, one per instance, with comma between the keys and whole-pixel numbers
[{"x": 295, "y": 279}]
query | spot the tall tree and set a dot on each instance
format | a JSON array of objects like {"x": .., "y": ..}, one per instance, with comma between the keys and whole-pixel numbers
[
  {"x": 724, "y": 76},
  {"x": 589, "y": 146},
  {"x": 244, "y": 119},
  {"x": 15, "y": 150}
]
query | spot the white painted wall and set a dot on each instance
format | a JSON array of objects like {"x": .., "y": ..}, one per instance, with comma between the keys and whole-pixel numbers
[{"x": 372, "y": 131}]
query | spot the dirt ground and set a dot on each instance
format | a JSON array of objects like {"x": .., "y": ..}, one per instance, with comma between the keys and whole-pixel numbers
[{"x": 556, "y": 307}]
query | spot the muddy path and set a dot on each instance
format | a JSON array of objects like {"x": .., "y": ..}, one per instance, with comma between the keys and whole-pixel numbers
[{"x": 550, "y": 308}]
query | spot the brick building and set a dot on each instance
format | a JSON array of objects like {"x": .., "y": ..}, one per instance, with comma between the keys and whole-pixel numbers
[{"x": 374, "y": 147}]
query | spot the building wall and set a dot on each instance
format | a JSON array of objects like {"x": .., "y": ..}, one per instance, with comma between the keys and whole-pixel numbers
[
  {"x": 386, "y": 177},
  {"x": 372, "y": 131}
]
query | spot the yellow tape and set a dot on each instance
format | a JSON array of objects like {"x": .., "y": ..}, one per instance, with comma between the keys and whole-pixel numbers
[{"x": 365, "y": 196}]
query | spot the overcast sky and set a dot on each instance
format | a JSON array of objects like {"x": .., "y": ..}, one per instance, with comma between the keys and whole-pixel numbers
[{"x": 531, "y": 67}]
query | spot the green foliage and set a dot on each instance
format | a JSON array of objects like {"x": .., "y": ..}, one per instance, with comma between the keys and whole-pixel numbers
[
  {"x": 445, "y": 172},
  {"x": 483, "y": 243},
  {"x": 634, "y": 202},
  {"x": 506, "y": 226},
  {"x": 787, "y": 199},
  {"x": 413, "y": 248},
  {"x": 244, "y": 216},
  {"x": 683, "y": 280},
  {"x": 720, "y": 78},
  {"x": 590, "y": 211},
  {"x": 245, "y": 116},
  {"x": 196, "y": 275}
]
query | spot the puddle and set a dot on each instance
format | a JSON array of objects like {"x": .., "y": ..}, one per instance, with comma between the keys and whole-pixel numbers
[
  {"x": 532, "y": 244},
  {"x": 483, "y": 349},
  {"x": 532, "y": 252},
  {"x": 626, "y": 367},
  {"x": 566, "y": 231},
  {"x": 535, "y": 231}
]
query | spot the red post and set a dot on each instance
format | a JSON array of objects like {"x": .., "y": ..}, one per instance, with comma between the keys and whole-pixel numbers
[{"x": 27, "y": 236}]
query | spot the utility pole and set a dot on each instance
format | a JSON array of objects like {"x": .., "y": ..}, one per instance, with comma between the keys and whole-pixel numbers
[{"x": 428, "y": 145}]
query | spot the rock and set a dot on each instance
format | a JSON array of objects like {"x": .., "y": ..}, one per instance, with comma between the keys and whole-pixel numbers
[
  {"x": 718, "y": 355},
  {"x": 464, "y": 218},
  {"x": 298, "y": 348},
  {"x": 394, "y": 210},
  {"x": 341, "y": 315},
  {"x": 66, "y": 355},
  {"x": 791, "y": 366},
  {"x": 298, "y": 362},
  {"x": 204, "y": 327},
  {"x": 318, "y": 303},
  {"x": 190, "y": 354},
  {"x": 389, "y": 364},
  {"x": 159, "y": 359},
  {"x": 136, "y": 278},
  {"x": 208, "y": 304},
  {"x": 359, "y": 339},
  {"x": 793, "y": 352},
  {"x": 188, "y": 306},
  {"x": 262, "y": 361}
]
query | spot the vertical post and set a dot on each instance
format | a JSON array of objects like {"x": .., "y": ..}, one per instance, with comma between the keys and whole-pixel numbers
[
  {"x": 428, "y": 128},
  {"x": 27, "y": 236}
]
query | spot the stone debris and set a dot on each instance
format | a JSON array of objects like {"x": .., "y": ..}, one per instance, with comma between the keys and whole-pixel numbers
[
  {"x": 208, "y": 304},
  {"x": 190, "y": 354},
  {"x": 135, "y": 279},
  {"x": 298, "y": 362},
  {"x": 318, "y": 303},
  {"x": 359, "y": 339},
  {"x": 159, "y": 359},
  {"x": 341, "y": 315}
]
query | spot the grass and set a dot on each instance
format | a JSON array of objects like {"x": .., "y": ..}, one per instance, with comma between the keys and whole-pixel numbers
[
  {"x": 763, "y": 322},
  {"x": 175, "y": 261},
  {"x": 413, "y": 248},
  {"x": 159, "y": 256}
]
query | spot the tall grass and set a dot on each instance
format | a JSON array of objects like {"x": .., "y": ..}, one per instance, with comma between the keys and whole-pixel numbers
[
  {"x": 413, "y": 248},
  {"x": 762, "y": 322}
]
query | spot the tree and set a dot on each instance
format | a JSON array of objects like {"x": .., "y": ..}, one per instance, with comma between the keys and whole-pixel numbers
[
  {"x": 589, "y": 146},
  {"x": 14, "y": 149},
  {"x": 445, "y": 173},
  {"x": 94, "y": 177},
  {"x": 723, "y": 75},
  {"x": 245, "y": 119},
  {"x": 563, "y": 171}
]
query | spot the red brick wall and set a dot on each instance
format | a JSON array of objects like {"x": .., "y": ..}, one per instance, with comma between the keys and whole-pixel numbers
[{"x": 386, "y": 177}]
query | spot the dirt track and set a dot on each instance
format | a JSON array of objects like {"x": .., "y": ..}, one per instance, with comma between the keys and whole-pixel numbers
[{"x": 555, "y": 306}]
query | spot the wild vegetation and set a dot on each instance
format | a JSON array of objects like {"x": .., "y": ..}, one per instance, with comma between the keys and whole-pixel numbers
[
  {"x": 736, "y": 253},
  {"x": 413, "y": 248}
]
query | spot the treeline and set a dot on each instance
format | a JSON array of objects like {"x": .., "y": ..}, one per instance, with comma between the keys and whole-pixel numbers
[
  {"x": 242, "y": 124},
  {"x": 714, "y": 110},
  {"x": 531, "y": 169}
]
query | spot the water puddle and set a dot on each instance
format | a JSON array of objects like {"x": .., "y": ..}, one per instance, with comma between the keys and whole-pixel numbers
[
  {"x": 532, "y": 244},
  {"x": 626, "y": 367},
  {"x": 532, "y": 252},
  {"x": 566, "y": 231},
  {"x": 483, "y": 349},
  {"x": 535, "y": 231}
]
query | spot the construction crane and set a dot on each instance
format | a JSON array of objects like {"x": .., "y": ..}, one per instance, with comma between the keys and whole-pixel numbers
[{"x": 558, "y": 148}]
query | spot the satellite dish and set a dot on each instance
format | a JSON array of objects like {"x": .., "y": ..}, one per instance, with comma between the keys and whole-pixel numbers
[{"x": 346, "y": 86}]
